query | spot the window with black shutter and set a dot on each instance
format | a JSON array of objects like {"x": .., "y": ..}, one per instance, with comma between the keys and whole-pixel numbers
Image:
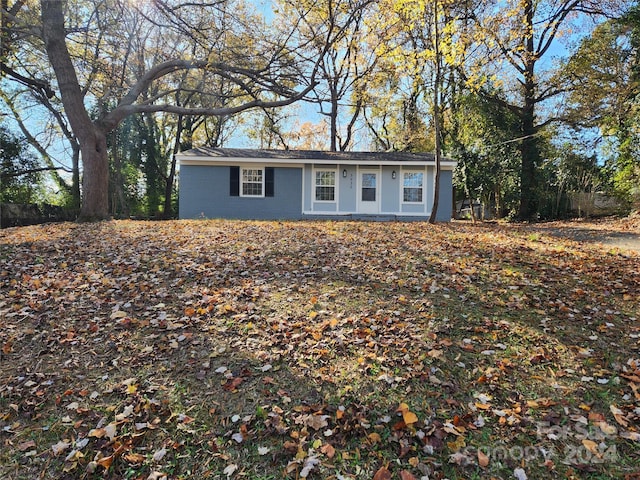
[
  {"x": 268, "y": 182},
  {"x": 234, "y": 181}
]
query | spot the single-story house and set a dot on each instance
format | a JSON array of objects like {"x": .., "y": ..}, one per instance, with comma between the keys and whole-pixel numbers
[{"x": 298, "y": 184}]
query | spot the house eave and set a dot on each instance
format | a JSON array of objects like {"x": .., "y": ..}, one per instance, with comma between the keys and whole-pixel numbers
[{"x": 301, "y": 158}]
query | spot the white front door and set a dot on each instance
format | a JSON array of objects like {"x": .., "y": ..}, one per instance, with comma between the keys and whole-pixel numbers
[{"x": 369, "y": 191}]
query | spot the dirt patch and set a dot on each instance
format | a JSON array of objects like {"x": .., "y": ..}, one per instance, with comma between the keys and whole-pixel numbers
[{"x": 622, "y": 233}]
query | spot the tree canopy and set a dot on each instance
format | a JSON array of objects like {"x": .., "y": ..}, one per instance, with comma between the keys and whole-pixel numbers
[{"x": 113, "y": 89}]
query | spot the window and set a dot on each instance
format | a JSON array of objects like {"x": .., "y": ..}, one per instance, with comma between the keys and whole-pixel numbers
[
  {"x": 412, "y": 186},
  {"x": 369, "y": 181},
  {"x": 325, "y": 185},
  {"x": 252, "y": 182}
]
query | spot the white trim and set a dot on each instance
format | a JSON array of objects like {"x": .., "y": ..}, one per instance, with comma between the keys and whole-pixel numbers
[
  {"x": 314, "y": 185},
  {"x": 302, "y": 172},
  {"x": 423, "y": 187},
  {"x": 324, "y": 212},
  {"x": 344, "y": 214},
  {"x": 252, "y": 167},
  {"x": 378, "y": 190}
]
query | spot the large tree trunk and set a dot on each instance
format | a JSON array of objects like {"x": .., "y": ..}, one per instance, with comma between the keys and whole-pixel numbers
[
  {"x": 436, "y": 113},
  {"x": 151, "y": 168},
  {"x": 92, "y": 140},
  {"x": 168, "y": 184},
  {"x": 529, "y": 152},
  {"x": 529, "y": 147},
  {"x": 95, "y": 178},
  {"x": 333, "y": 116},
  {"x": 76, "y": 194}
]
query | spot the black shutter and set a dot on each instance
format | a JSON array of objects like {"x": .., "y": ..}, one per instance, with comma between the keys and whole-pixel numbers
[
  {"x": 234, "y": 181},
  {"x": 268, "y": 182}
]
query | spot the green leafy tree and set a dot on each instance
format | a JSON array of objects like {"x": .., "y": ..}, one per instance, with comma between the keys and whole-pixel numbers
[
  {"x": 487, "y": 155},
  {"x": 518, "y": 36},
  {"x": 604, "y": 79},
  {"x": 20, "y": 171},
  {"x": 571, "y": 181}
]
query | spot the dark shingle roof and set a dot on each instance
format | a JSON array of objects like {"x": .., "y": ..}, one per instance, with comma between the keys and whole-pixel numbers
[{"x": 310, "y": 155}]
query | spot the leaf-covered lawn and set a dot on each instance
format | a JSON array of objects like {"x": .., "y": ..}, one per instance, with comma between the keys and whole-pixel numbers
[{"x": 333, "y": 350}]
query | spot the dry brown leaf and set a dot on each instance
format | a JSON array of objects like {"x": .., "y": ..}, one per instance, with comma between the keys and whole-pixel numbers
[
  {"x": 483, "y": 459},
  {"x": 26, "y": 445},
  {"x": 105, "y": 462},
  {"x": 135, "y": 458},
  {"x": 404, "y": 475},
  {"x": 591, "y": 446},
  {"x": 619, "y": 415},
  {"x": 328, "y": 450},
  {"x": 316, "y": 421},
  {"x": 382, "y": 474}
]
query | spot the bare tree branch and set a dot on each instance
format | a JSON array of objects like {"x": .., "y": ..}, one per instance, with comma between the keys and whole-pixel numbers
[{"x": 33, "y": 83}]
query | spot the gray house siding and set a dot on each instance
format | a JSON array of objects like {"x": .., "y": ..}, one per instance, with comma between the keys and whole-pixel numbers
[
  {"x": 307, "y": 172},
  {"x": 390, "y": 189},
  {"x": 445, "y": 202},
  {"x": 347, "y": 188},
  {"x": 211, "y": 187},
  {"x": 204, "y": 193}
]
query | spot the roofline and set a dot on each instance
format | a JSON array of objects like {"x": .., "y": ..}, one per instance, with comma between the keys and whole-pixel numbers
[
  {"x": 289, "y": 157},
  {"x": 445, "y": 164}
]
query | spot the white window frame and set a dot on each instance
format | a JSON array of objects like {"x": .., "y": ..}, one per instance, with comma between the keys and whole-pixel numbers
[
  {"x": 245, "y": 168},
  {"x": 402, "y": 177},
  {"x": 335, "y": 184}
]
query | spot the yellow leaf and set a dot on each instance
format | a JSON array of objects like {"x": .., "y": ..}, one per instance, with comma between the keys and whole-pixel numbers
[
  {"x": 457, "y": 445},
  {"x": 97, "y": 433},
  {"x": 301, "y": 453},
  {"x": 135, "y": 458},
  {"x": 374, "y": 438},
  {"x": 409, "y": 417}
]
